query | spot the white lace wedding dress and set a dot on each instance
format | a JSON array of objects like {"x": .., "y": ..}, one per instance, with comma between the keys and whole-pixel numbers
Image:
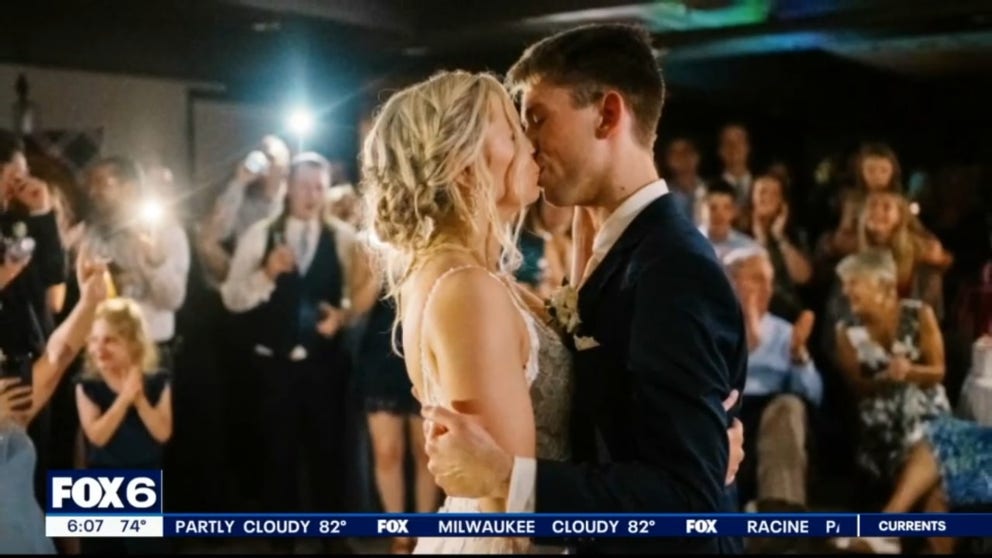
[{"x": 549, "y": 374}]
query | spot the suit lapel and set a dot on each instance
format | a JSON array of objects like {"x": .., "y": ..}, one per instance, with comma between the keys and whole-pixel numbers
[
  {"x": 591, "y": 290},
  {"x": 596, "y": 383}
]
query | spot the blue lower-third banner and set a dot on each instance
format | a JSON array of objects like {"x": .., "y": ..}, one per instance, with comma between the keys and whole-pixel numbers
[{"x": 519, "y": 525}]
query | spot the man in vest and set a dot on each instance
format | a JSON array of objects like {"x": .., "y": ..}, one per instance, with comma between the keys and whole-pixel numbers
[{"x": 290, "y": 276}]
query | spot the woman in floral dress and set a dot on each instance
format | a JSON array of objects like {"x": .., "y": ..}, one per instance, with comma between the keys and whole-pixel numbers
[{"x": 891, "y": 352}]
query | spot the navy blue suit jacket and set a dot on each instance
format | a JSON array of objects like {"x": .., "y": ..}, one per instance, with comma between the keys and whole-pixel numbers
[{"x": 672, "y": 346}]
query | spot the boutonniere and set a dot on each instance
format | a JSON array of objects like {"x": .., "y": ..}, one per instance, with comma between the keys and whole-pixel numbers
[
  {"x": 19, "y": 230},
  {"x": 564, "y": 308},
  {"x": 584, "y": 343}
]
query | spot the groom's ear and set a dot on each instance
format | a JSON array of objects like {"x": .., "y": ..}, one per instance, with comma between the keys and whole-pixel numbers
[{"x": 611, "y": 109}]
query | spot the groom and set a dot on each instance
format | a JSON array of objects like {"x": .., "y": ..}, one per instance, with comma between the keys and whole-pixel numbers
[{"x": 661, "y": 342}]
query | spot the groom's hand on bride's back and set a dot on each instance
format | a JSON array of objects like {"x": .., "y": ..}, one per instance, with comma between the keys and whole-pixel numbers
[
  {"x": 735, "y": 435},
  {"x": 463, "y": 457}
]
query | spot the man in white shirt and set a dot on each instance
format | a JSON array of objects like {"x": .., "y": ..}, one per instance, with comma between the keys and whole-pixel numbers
[
  {"x": 783, "y": 385},
  {"x": 294, "y": 279},
  {"x": 682, "y": 159},
  {"x": 148, "y": 253},
  {"x": 661, "y": 345},
  {"x": 254, "y": 193},
  {"x": 723, "y": 212},
  {"x": 735, "y": 154}
]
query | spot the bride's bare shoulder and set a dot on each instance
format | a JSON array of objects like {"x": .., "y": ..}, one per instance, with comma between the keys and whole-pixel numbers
[{"x": 448, "y": 294}]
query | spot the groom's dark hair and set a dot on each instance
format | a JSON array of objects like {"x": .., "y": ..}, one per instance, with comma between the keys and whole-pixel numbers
[{"x": 592, "y": 58}]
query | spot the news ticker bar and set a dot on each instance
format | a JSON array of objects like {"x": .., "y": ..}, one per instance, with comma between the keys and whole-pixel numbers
[{"x": 515, "y": 525}]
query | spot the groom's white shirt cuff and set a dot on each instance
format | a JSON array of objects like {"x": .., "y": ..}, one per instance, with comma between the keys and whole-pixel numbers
[{"x": 523, "y": 481}]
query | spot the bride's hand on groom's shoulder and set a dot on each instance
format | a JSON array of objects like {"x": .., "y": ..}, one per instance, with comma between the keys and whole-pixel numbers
[{"x": 463, "y": 457}]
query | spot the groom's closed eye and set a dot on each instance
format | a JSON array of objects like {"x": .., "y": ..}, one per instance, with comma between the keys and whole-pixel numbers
[{"x": 532, "y": 116}]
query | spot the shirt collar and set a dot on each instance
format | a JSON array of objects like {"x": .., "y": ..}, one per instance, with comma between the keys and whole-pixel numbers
[
  {"x": 296, "y": 222},
  {"x": 732, "y": 236},
  {"x": 622, "y": 216},
  {"x": 738, "y": 181}
]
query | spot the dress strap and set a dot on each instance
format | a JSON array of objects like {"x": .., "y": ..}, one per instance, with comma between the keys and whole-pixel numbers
[{"x": 426, "y": 372}]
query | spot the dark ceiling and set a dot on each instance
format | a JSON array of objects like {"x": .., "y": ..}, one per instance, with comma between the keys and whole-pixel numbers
[
  {"x": 889, "y": 60},
  {"x": 233, "y": 41}
]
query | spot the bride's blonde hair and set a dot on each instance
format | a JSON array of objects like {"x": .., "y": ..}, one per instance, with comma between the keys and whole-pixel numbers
[{"x": 423, "y": 142}]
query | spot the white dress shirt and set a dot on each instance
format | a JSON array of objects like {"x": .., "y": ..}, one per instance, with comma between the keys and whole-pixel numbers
[
  {"x": 302, "y": 237},
  {"x": 618, "y": 221},
  {"x": 524, "y": 476},
  {"x": 742, "y": 184},
  {"x": 734, "y": 240},
  {"x": 159, "y": 288},
  {"x": 247, "y": 285},
  {"x": 771, "y": 370}
]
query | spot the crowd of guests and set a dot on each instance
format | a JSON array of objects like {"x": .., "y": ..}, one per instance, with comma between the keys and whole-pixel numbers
[
  {"x": 860, "y": 327},
  {"x": 236, "y": 350}
]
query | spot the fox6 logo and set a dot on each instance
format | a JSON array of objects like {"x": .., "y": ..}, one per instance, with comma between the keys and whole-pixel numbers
[
  {"x": 104, "y": 492},
  {"x": 393, "y": 526}
]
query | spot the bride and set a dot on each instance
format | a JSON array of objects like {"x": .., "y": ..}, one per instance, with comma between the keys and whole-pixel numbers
[{"x": 446, "y": 166}]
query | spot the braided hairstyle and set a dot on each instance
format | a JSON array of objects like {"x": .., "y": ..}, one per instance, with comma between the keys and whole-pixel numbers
[{"x": 425, "y": 177}]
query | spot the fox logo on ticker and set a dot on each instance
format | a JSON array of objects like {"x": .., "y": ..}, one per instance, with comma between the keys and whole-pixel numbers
[
  {"x": 393, "y": 526},
  {"x": 704, "y": 526}
]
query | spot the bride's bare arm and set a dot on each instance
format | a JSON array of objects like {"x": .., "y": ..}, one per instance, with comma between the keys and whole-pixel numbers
[{"x": 480, "y": 344}]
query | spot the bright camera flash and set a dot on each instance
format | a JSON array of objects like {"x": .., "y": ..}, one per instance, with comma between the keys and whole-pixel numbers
[{"x": 152, "y": 212}]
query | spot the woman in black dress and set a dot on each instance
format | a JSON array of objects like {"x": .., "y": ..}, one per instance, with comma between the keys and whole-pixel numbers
[
  {"x": 393, "y": 414},
  {"x": 125, "y": 406}
]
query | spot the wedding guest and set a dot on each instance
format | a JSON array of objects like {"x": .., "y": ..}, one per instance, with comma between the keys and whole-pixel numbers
[
  {"x": 949, "y": 468},
  {"x": 125, "y": 405},
  {"x": 33, "y": 272},
  {"x": 149, "y": 255},
  {"x": 891, "y": 352},
  {"x": 32, "y": 278},
  {"x": 21, "y": 520},
  {"x": 298, "y": 281},
  {"x": 723, "y": 215},
  {"x": 878, "y": 169},
  {"x": 735, "y": 154},
  {"x": 255, "y": 192},
  {"x": 920, "y": 259},
  {"x": 783, "y": 386},
  {"x": 394, "y": 419},
  {"x": 772, "y": 225},
  {"x": 682, "y": 160}
]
